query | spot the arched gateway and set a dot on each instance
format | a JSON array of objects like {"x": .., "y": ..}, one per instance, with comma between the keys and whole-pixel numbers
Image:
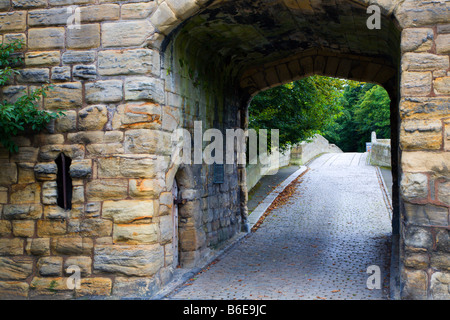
[{"x": 127, "y": 74}]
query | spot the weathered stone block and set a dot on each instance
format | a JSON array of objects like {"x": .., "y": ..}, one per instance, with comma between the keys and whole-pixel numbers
[
  {"x": 13, "y": 290},
  {"x": 86, "y": 37},
  {"x": 428, "y": 214},
  {"x": 48, "y": 17},
  {"x": 51, "y": 228},
  {"x": 33, "y": 75},
  {"x": 137, "y": 116},
  {"x": 421, "y": 134},
  {"x": 46, "y": 38},
  {"x": 82, "y": 262},
  {"x": 45, "y": 171},
  {"x": 16, "y": 268},
  {"x": 107, "y": 189},
  {"x": 102, "y": 12},
  {"x": 136, "y": 260},
  {"x": 135, "y": 233},
  {"x": 64, "y": 96},
  {"x": 424, "y": 107},
  {"x": 67, "y": 122},
  {"x": 50, "y": 287},
  {"x": 92, "y": 117},
  {"x": 135, "y": 287},
  {"x": 147, "y": 141},
  {"x": 183, "y": 9},
  {"x": 146, "y": 188},
  {"x": 50, "y": 266},
  {"x": 164, "y": 19},
  {"x": 5, "y": 228},
  {"x": 78, "y": 57},
  {"x": 128, "y": 211},
  {"x": 126, "y": 166},
  {"x": 416, "y": 83},
  {"x": 22, "y": 211},
  {"x": 91, "y": 227},
  {"x": 443, "y": 44},
  {"x": 424, "y": 62},
  {"x": 13, "y": 21},
  {"x": 415, "y": 284},
  {"x": 11, "y": 247},
  {"x": 417, "y": 237},
  {"x": 420, "y": 161},
  {"x": 439, "y": 285},
  {"x": 416, "y": 260},
  {"x": 49, "y": 192},
  {"x": 9, "y": 174},
  {"x": 84, "y": 72},
  {"x": 442, "y": 85},
  {"x": 417, "y": 39},
  {"x": 144, "y": 88},
  {"x": 128, "y": 62},
  {"x": 72, "y": 246},
  {"x": 104, "y": 91},
  {"x": 38, "y": 246},
  {"x": 23, "y": 228},
  {"x": 42, "y": 58},
  {"x": 125, "y": 33},
  {"x": 137, "y": 10},
  {"x": 94, "y": 287},
  {"x": 28, "y": 4},
  {"x": 25, "y": 193},
  {"x": 443, "y": 193},
  {"x": 81, "y": 169}
]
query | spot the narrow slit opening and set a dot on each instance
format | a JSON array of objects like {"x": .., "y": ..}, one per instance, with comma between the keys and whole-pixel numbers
[{"x": 64, "y": 182}]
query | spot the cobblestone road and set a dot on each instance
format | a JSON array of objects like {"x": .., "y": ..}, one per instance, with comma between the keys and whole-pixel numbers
[{"x": 317, "y": 246}]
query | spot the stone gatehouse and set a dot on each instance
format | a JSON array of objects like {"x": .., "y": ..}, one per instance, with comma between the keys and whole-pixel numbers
[{"x": 128, "y": 73}]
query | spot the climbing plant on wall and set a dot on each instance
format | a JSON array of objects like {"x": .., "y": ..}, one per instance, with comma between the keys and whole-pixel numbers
[{"x": 23, "y": 114}]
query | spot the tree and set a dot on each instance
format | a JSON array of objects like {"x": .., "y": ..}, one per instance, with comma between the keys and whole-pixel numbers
[
  {"x": 299, "y": 109},
  {"x": 22, "y": 115}
]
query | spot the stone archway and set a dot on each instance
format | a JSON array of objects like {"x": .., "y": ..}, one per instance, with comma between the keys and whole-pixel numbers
[{"x": 129, "y": 73}]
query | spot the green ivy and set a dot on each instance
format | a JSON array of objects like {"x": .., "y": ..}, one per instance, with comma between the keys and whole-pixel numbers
[{"x": 22, "y": 115}]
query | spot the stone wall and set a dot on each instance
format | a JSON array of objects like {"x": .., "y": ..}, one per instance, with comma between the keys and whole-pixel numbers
[
  {"x": 133, "y": 71},
  {"x": 380, "y": 152},
  {"x": 307, "y": 150}
]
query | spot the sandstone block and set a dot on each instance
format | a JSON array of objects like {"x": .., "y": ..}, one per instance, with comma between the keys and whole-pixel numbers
[
  {"x": 86, "y": 37},
  {"x": 135, "y": 287},
  {"x": 49, "y": 192},
  {"x": 9, "y": 174},
  {"x": 415, "y": 284},
  {"x": 72, "y": 246},
  {"x": 50, "y": 287},
  {"x": 94, "y": 287},
  {"x": 135, "y": 233},
  {"x": 137, "y": 116},
  {"x": 442, "y": 85},
  {"x": 51, "y": 228},
  {"x": 126, "y": 166},
  {"x": 416, "y": 83},
  {"x": 23, "y": 228},
  {"x": 78, "y": 57},
  {"x": 28, "y": 4},
  {"x": 414, "y": 185},
  {"x": 164, "y": 18},
  {"x": 147, "y": 141},
  {"x": 13, "y": 290},
  {"x": 128, "y": 211},
  {"x": 66, "y": 123},
  {"x": 45, "y": 171},
  {"x": 11, "y": 247},
  {"x": 25, "y": 193},
  {"x": 50, "y": 266},
  {"x": 22, "y": 211},
  {"x": 64, "y": 96},
  {"x": 144, "y": 88},
  {"x": 444, "y": 192},
  {"x": 424, "y": 62},
  {"x": 420, "y": 161},
  {"x": 146, "y": 188},
  {"x": 136, "y": 260},
  {"x": 81, "y": 169},
  {"x": 99, "y": 13},
  {"x": 443, "y": 44},
  {"x": 107, "y": 189},
  {"x": 91, "y": 227},
  {"x": 137, "y": 10},
  {"x": 104, "y": 91},
  {"x": 417, "y": 237},
  {"x": 125, "y": 33},
  {"x": 83, "y": 262},
  {"x": 424, "y": 107},
  {"x": 5, "y": 228},
  {"x": 92, "y": 117},
  {"x": 13, "y": 21},
  {"x": 48, "y": 17},
  {"x": 439, "y": 284},
  {"x": 16, "y": 268},
  {"x": 46, "y": 38},
  {"x": 426, "y": 215},
  {"x": 42, "y": 58},
  {"x": 417, "y": 39},
  {"x": 128, "y": 62},
  {"x": 421, "y": 134},
  {"x": 84, "y": 72},
  {"x": 38, "y": 246}
]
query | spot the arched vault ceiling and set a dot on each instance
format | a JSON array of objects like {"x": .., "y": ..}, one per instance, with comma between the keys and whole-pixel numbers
[{"x": 250, "y": 33}]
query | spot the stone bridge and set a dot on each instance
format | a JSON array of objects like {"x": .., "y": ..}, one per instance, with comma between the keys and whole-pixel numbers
[{"x": 128, "y": 73}]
